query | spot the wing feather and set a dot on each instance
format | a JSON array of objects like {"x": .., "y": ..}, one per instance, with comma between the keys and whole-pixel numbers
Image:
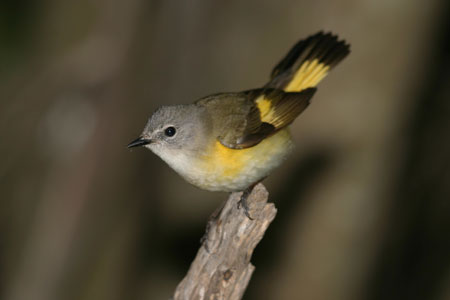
[{"x": 243, "y": 120}]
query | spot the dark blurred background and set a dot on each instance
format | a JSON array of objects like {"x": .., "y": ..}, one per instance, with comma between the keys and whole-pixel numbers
[{"x": 364, "y": 201}]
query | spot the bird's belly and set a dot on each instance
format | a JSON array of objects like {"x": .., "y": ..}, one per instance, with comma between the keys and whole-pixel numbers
[{"x": 229, "y": 170}]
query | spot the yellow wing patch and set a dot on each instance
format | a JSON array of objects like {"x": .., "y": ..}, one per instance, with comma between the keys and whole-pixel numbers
[
  {"x": 308, "y": 75},
  {"x": 280, "y": 109},
  {"x": 265, "y": 108}
]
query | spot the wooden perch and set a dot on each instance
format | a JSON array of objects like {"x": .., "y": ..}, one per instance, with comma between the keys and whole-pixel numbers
[{"x": 222, "y": 268}]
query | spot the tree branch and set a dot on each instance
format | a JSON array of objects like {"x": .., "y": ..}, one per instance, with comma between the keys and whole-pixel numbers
[{"x": 222, "y": 268}]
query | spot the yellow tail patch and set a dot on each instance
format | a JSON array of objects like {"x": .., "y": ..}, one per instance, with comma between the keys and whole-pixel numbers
[{"x": 308, "y": 75}]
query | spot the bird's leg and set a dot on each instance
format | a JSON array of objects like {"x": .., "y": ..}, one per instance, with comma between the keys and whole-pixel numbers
[{"x": 243, "y": 201}]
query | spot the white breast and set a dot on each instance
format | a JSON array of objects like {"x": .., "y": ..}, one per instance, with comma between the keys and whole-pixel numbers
[{"x": 226, "y": 169}]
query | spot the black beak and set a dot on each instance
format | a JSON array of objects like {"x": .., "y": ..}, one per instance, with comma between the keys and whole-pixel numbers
[{"x": 139, "y": 142}]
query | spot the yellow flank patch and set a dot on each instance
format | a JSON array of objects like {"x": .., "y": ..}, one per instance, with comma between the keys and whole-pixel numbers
[
  {"x": 308, "y": 75},
  {"x": 265, "y": 108},
  {"x": 230, "y": 163}
]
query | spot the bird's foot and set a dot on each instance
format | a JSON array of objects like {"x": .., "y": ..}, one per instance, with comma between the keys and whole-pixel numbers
[{"x": 243, "y": 201}]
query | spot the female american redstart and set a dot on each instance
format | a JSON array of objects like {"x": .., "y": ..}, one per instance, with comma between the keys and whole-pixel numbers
[{"x": 231, "y": 141}]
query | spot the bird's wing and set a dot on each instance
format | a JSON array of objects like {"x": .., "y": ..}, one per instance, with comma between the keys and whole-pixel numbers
[
  {"x": 279, "y": 108},
  {"x": 242, "y": 120}
]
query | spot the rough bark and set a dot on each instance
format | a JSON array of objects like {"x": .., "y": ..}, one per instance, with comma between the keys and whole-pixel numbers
[{"x": 222, "y": 268}]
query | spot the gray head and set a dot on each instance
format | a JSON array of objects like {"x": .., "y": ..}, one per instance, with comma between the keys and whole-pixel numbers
[{"x": 173, "y": 130}]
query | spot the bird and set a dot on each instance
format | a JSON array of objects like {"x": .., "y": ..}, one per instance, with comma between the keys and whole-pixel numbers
[{"x": 231, "y": 141}]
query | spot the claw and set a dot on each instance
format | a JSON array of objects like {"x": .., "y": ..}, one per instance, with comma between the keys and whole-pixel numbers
[{"x": 243, "y": 201}]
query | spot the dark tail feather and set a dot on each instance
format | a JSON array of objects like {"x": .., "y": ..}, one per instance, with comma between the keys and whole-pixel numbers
[{"x": 308, "y": 62}]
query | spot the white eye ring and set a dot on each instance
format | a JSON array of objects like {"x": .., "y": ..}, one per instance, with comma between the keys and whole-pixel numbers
[{"x": 170, "y": 131}]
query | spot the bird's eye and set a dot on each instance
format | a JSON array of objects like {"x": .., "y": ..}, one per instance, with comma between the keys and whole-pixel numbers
[{"x": 170, "y": 131}]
